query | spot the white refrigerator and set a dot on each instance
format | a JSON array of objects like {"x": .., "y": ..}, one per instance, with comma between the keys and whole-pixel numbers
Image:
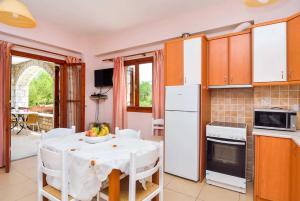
[{"x": 182, "y": 126}]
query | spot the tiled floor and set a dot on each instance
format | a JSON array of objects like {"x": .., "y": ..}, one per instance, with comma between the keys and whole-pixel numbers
[{"x": 20, "y": 185}]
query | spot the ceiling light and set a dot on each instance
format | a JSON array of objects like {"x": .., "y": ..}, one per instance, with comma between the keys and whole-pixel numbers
[
  {"x": 257, "y": 3},
  {"x": 15, "y": 13}
]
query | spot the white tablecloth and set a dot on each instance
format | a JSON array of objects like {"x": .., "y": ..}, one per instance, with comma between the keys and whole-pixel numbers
[{"x": 84, "y": 179}]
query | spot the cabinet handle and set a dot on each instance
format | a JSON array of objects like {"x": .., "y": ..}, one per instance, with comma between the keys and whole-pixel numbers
[
  {"x": 225, "y": 79},
  {"x": 281, "y": 74},
  {"x": 290, "y": 74}
]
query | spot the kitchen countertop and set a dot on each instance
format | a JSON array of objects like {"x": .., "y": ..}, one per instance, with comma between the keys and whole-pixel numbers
[{"x": 295, "y": 136}]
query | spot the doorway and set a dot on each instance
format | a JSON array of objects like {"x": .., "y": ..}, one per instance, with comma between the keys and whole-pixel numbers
[
  {"x": 32, "y": 104},
  {"x": 68, "y": 101}
]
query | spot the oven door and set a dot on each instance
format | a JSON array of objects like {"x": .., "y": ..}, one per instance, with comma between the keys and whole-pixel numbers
[{"x": 226, "y": 156}]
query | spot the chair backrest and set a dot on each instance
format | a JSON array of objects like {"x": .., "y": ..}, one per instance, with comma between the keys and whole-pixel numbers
[
  {"x": 32, "y": 118},
  {"x": 158, "y": 124},
  {"x": 145, "y": 165},
  {"x": 53, "y": 164},
  {"x": 57, "y": 132},
  {"x": 50, "y": 168},
  {"x": 128, "y": 133}
]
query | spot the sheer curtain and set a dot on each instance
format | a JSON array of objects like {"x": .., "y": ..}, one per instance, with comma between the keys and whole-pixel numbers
[
  {"x": 74, "y": 93},
  {"x": 119, "y": 94},
  {"x": 5, "y": 62},
  {"x": 158, "y": 94}
]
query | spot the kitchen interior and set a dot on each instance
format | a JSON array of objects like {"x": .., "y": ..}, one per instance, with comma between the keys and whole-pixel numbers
[{"x": 242, "y": 125}]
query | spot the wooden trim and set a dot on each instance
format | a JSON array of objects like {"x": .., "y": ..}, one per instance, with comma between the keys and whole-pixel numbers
[
  {"x": 230, "y": 35},
  {"x": 139, "y": 109},
  {"x": 255, "y": 84},
  {"x": 269, "y": 23},
  {"x": 7, "y": 110},
  {"x": 63, "y": 96},
  {"x": 293, "y": 16},
  {"x": 56, "y": 97},
  {"x": 138, "y": 61},
  {"x": 205, "y": 116},
  {"x": 136, "y": 86},
  {"x": 83, "y": 97},
  {"x": 38, "y": 57},
  {"x": 114, "y": 185}
]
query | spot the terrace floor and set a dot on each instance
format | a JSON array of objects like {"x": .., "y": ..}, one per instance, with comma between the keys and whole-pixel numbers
[{"x": 24, "y": 144}]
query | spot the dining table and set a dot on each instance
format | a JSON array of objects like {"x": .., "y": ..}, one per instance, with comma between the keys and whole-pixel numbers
[
  {"x": 91, "y": 165},
  {"x": 20, "y": 117}
]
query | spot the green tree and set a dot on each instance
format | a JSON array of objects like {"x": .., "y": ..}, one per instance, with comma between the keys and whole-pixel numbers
[
  {"x": 41, "y": 89},
  {"x": 145, "y": 94}
]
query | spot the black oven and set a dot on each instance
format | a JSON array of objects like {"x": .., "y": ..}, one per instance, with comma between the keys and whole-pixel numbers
[
  {"x": 277, "y": 119},
  {"x": 226, "y": 156}
]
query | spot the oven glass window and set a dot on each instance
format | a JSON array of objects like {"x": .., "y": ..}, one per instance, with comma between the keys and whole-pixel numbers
[
  {"x": 226, "y": 158},
  {"x": 270, "y": 119}
]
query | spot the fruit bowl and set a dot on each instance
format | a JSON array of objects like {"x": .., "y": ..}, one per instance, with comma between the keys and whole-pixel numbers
[{"x": 93, "y": 140}]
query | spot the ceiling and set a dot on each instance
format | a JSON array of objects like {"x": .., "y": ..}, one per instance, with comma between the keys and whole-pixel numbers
[{"x": 105, "y": 16}]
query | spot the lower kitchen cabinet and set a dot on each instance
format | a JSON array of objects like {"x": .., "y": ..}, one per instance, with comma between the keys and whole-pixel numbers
[
  {"x": 272, "y": 169},
  {"x": 295, "y": 176}
]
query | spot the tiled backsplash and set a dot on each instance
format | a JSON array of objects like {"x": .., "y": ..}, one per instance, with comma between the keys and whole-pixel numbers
[
  {"x": 286, "y": 97},
  {"x": 236, "y": 105}
]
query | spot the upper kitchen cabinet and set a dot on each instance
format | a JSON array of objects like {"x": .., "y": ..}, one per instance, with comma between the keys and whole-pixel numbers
[
  {"x": 192, "y": 56},
  {"x": 240, "y": 70},
  {"x": 174, "y": 62},
  {"x": 184, "y": 61},
  {"x": 293, "y": 38},
  {"x": 229, "y": 60},
  {"x": 218, "y": 62},
  {"x": 270, "y": 53}
]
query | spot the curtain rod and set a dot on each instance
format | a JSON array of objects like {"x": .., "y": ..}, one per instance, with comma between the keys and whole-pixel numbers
[
  {"x": 143, "y": 53},
  {"x": 46, "y": 51}
]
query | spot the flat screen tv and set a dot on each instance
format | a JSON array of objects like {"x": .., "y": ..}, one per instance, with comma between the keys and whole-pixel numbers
[{"x": 103, "y": 77}]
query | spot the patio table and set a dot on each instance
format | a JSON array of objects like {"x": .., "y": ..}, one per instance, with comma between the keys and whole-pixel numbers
[{"x": 20, "y": 116}]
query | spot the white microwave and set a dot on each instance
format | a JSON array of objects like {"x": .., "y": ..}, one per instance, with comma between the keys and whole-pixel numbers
[{"x": 275, "y": 119}]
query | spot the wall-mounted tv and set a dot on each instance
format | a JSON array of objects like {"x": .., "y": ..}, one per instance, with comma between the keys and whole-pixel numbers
[{"x": 103, "y": 77}]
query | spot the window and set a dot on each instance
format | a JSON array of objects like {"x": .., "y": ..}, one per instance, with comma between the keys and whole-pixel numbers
[{"x": 139, "y": 84}]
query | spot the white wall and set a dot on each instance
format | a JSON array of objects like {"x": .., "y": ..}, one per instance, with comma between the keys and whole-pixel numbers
[{"x": 139, "y": 39}]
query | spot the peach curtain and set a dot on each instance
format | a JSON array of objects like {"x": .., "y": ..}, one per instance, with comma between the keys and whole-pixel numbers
[
  {"x": 158, "y": 95},
  {"x": 119, "y": 94},
  {"x": 75, "y": 73},
  {"x": 5, "y": 61}
]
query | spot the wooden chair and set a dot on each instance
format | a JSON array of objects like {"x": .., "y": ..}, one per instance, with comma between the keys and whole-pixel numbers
[
  {"x": 128, "y": 133},
  {"x": 32, "y": 120},
  {"x": 133, "y": 190},
  {"x": 13, "y": 121},
  {"x": 157, "y": 124},
  {"x": 57, "y": 170}
]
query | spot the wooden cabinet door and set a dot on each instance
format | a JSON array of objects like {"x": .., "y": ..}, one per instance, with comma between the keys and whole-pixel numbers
[
  {"x": 218, "y": 62},
  {"x": 240, "y": 59},
  {"x": 295, "y": 173},
  {"x": 174, "y": 63},
  {"x": 192, "y": 60},
  {"x": 293, "y": 52},
  {"x": 272, "y": 168},
  {"x": 269, "y": 53}
]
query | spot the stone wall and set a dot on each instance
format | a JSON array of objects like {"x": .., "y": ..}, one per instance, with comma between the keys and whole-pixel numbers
[
  {"x": 21, "y": 76},
  {"x": 45, "y": 123}
]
